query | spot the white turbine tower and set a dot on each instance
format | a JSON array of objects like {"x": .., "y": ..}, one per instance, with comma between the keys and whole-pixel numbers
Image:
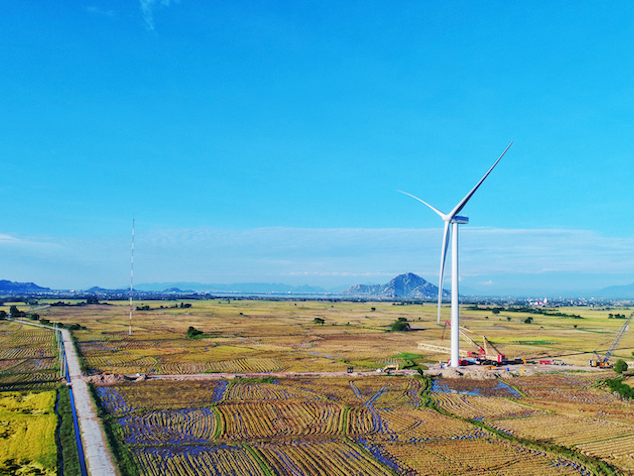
[{"x": 454, "y": 219}]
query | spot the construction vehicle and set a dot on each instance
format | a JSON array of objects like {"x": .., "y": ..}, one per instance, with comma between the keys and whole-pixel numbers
[
  {"x": 486, "y": 354},
  {"x": 604, "y": 362},
  {"x": 387, "y": 368}
]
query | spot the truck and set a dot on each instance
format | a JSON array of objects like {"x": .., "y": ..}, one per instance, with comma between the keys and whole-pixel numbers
[{"x": 604, "y": 362}]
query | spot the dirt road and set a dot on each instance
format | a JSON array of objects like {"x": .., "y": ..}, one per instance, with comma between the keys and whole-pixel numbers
[
  {"x": 97, "y": 455},
  {"x": 218, "y": 376}
]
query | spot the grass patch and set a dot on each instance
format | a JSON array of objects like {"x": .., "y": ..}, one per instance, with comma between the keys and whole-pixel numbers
[
  {"x": 532, "y": 342},
  {"x": 66, "y": 434},
  {"x": 407, "y": 356},
  {"x": 263, "y": 466},
  {"x": 344, "y": 419}
]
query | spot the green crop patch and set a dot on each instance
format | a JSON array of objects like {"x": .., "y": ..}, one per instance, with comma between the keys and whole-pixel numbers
[{"x": 532, "y": 342}]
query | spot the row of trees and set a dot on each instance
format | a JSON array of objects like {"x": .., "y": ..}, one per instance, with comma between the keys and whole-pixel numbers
[
  {"x": 616, "y": 316},
  {"x": 14, "y": 313}
]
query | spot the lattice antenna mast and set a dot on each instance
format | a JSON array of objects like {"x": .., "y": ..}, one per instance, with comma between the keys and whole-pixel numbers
[{"x": 131, "y": 278}]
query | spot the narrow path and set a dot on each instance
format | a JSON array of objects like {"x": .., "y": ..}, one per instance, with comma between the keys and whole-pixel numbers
[
  {"x": 95, "y": 449},
  {"x": 98, "y": 457},
  {"x": 229, "y": 376}
]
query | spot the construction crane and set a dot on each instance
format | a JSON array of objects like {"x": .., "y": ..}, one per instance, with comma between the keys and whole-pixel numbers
[
  {"x": 439, "y": 349},
  {"x": 481, "y": 351},
  {"x": 605, "y": 361},
  {"x": 499, "y": 357},
  {"x": 487, "y": 352}
]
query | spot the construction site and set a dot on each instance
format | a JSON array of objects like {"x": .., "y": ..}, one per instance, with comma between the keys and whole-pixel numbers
[{"x": 489, "y": 356}]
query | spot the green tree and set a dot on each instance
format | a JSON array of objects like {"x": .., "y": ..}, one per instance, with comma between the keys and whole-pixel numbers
[
  {"x": 620, "y": 366},
  {"x": 192, "y": 332},
  {"x": 529, "y": 319},
  {"x": 400, "y": 325},
  {"x": 15, "y": 312}
]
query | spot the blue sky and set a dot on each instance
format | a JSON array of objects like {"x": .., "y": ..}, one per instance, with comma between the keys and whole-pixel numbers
[{"x": 265, "y": 141}]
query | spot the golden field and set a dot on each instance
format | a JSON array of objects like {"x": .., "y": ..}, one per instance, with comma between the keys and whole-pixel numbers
[
  {"x": 542, "y": 423},
  {"x": 27, "y": 433},
  {"x": 261, "y": 336}
]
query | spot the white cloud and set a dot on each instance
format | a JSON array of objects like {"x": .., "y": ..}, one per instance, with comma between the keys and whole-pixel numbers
[
  {"x": 7, "y": 239},
  {"x": 147, "y": 8}
]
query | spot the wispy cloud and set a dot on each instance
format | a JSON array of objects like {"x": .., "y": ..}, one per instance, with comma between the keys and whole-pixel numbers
[
  {"x": 148, "y": 7},
  {"x": 98, "y": 11},
  {"x": 4, "y": 239},
  {"x": 490, "y": 258},
  {"x": 28, "y": 244}
]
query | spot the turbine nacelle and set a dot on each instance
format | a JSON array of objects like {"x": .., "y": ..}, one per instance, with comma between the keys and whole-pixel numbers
[{"x": 460, "y": 220}]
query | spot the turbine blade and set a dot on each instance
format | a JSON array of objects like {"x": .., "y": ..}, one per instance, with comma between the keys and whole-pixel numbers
[
  {"x": 464, "y": 201},
  {"x": 443, "y": 259},
  {"x": 441, "y": 214}
]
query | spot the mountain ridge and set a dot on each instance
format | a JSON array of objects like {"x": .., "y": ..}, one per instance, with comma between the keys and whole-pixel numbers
[
  {"x": 229, "y": 288},
  {"x": 406, "y": 286},
  {"x": 624, "y": 291},
  {"x": 17, "y": 287}
]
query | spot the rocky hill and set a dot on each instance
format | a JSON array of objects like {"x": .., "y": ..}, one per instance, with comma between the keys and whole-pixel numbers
[
  {"x": 404, "y": 286},
  {"x": 12, "y": 287}
]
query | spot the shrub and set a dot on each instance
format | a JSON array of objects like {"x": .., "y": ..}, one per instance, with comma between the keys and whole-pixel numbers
[
  {"x": 192, "y": 332},
  {"x": 400, "y": 325},
  {"x": 620, "y": 366}
]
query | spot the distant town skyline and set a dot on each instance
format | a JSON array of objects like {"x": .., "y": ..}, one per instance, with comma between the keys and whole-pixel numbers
[{"x": 265, "y": 141}]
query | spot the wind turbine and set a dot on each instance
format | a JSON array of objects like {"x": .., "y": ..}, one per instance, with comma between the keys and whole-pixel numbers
[{"x": 454, "y": 219}]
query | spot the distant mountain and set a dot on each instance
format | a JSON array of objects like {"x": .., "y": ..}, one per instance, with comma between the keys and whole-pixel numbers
[
  {"x": 406, "y": 286},
  {"x": 230, "y": 288},
  {"x": 97, "y": 289},
  {"x": 173, "y": 291},
  {"x": 17, "y": 288},
  {"x": 625, "y": 291}
]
